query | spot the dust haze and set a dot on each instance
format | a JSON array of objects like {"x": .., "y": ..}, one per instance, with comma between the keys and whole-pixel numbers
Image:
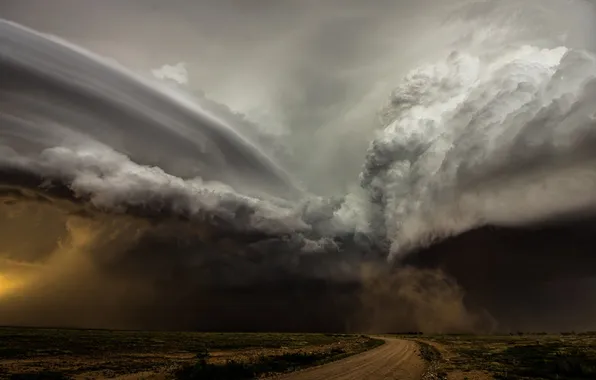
[{"x": 298, "y": 166}]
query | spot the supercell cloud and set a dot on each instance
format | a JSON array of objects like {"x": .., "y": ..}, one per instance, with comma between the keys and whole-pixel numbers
[{"x": 397, "y": 182}]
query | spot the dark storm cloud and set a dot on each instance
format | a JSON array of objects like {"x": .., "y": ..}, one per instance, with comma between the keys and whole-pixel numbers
[
  {"x": 531, "y": 278},
  {"x": 120, "y": 243},
  {"x": 132, "y": 272},
  {"x": 154, "y": 271}
]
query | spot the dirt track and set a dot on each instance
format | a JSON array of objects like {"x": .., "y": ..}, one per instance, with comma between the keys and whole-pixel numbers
[{"x": 396, "y": 359}]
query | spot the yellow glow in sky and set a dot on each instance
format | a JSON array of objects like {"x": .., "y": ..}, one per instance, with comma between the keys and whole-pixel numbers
[{"x": 7, "y": 284}]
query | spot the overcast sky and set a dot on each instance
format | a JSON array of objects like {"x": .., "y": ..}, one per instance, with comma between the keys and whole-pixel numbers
[{"x": 311, "y": 67}]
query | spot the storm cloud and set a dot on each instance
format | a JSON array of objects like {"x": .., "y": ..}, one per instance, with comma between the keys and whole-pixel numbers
[{"x": 333, "y": 168}]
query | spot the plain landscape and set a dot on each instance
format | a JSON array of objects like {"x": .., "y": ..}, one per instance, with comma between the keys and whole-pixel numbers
[
  {"x": 32, "y": 353},
  {"x": 28, "y": 353},
  {"x": 514, "y": 356}
]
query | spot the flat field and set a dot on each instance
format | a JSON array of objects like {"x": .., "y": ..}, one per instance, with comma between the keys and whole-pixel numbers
[
  {"x": 518, "y": 356},
  {"x": 31, "y": 353}
]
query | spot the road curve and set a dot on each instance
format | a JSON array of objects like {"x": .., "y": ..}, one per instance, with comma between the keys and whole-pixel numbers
[{"x": 396, "y": 359}]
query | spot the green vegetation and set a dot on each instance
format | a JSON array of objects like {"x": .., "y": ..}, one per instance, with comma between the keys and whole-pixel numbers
[
  {"x": 519, "y": 356},
  {"x": 29, "y": 353}
]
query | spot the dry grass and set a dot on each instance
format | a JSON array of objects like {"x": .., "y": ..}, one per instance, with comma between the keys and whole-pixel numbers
[
  {"x": 91, "y": 354},
  {"x": 519, "y": 356}
]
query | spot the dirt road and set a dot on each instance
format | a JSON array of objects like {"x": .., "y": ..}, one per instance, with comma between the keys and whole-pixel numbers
[{"x": 396, "y": 359}]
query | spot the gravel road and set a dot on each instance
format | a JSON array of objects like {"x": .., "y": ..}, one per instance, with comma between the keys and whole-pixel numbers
[{"x": 396, "y": 359}]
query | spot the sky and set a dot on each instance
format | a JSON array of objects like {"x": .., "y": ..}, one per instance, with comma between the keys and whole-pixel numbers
[{"x": 312, "y": 74}]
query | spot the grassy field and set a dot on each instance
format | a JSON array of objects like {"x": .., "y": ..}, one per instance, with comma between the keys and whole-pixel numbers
[
  {"x": 88, "y": 354},
  {"x": 519, "y": 356}
]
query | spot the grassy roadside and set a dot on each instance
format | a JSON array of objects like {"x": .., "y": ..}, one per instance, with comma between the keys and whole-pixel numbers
[
  {"x": 433, "y": 359},
  {"x": 517, "y": 356},
  {"x": 63, "y": 354},
  {"x": 265, "y": 366}
]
